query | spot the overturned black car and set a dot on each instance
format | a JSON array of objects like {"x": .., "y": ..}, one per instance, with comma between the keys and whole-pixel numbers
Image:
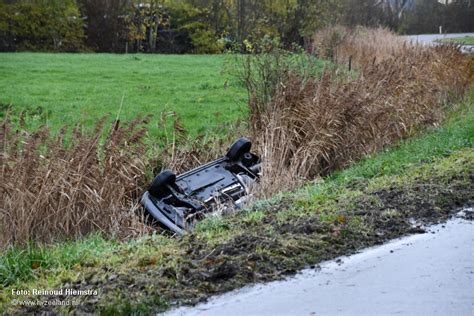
[{"x": 177, "y": 202}]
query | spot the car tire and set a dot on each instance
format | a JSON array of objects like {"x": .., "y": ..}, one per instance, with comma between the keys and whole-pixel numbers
[
  {"x": 240, "y": 147},
  {"x": 158, "y": 186}
]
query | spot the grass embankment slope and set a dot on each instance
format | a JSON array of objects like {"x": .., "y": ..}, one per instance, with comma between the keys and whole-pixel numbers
[
  {"x": 425, "y": 178},
  {"x": 64, "y": 89},
  {"x": 466, "y": 40}
]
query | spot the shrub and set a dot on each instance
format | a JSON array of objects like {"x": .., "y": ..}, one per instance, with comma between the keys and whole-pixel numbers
[
  {"x": 41, "y": 26},
  {"x": 205, "y": 42}
]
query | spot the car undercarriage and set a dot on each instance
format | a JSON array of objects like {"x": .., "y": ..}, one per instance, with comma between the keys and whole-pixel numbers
[{"x": 178, "y": 202}]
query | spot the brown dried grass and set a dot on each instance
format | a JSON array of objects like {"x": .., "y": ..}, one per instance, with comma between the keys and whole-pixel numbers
[
  {"x": 53, "y": 191},
  {"x": 361, "y": 46},
  {"x": 314, "y": 126}
]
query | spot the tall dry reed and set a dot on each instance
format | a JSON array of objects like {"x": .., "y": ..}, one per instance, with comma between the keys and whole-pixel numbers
[
  {"x": 315, "y": 125},
  {"x": 54, "y": 189}
]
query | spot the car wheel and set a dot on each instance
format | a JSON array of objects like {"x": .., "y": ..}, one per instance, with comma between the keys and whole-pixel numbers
[
  {"x": 240, "y": 147},
  {"x": 158, "y": 186}
]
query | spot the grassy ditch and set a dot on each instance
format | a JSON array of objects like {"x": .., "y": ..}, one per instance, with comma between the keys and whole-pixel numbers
[{"x": 423, "y": 180}]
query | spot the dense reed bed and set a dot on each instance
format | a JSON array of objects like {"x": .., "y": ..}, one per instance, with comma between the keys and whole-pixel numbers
[
  {"x": 314, "y": 125},
  {"x": 54, "y": 188}
]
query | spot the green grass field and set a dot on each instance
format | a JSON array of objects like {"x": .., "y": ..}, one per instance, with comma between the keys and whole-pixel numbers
[
  {"x": 63, "y": 89},
  {"x": 466, "y": 40}
]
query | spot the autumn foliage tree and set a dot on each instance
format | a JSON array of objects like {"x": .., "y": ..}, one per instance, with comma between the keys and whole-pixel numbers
[
  {"x": 209, "y": 26},
  {"x": 44, "y": 25}
]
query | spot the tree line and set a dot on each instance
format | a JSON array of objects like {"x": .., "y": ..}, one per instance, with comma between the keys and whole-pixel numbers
[{"x": 208, "y": 26}]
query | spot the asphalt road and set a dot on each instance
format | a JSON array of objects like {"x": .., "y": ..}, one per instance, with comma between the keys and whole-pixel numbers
[
  {"x": 429, "y": 39},
  {"x": 426, "y": 274}
]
